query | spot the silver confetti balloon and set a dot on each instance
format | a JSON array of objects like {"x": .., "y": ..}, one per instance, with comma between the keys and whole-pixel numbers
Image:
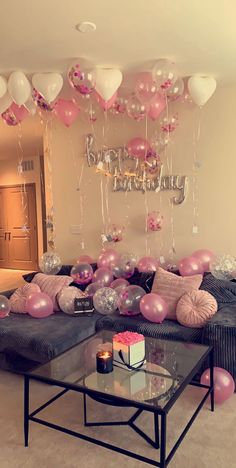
[
  {"x": 66, "y": 298},
  {"x": 50, "y": 263},
  {"x": 105, "y": 300},
  {"x": 223, "y": 267}
]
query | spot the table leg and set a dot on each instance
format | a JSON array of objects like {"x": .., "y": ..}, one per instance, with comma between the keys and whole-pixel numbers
[
  {"x": 85, "y": 410},
  {"x": 163, "y": 442},
  {"x": 26, "y": 410},
  {"x": 212, "y": 378},
  {"x": 156, "y": 430}
]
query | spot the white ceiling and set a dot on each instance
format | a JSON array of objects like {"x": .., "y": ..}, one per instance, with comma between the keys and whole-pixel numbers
[{"x": 200, "y": 35}]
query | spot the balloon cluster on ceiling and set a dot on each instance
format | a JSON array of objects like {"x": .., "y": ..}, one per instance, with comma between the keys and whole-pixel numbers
[{"x": 152, "y": 90}]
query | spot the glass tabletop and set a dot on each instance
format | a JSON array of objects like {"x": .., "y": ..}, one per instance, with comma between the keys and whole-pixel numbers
[{"x": 169, "y": 365}]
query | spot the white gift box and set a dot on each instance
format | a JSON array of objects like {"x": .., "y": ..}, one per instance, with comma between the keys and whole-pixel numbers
[{"x": 128, "y": 350}]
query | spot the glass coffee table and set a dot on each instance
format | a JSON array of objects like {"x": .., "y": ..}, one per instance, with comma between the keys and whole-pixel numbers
[{"x": 170, "y": 366}]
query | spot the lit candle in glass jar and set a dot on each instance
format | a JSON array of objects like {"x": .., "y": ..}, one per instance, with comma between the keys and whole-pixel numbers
[{"x": 104, "y": 362}]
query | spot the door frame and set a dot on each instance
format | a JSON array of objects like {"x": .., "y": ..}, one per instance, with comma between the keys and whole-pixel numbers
[{"x": 33, "y": 185}]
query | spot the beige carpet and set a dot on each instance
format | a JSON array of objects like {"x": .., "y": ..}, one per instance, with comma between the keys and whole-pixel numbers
[
  {"x": 10, "y": 279},
  {"x": 210, "y": 443}
]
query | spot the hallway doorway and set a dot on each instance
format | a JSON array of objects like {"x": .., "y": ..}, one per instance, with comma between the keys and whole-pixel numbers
[{"x": 18, "y": 227}]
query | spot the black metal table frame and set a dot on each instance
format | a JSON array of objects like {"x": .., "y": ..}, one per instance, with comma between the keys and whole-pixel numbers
[{"x": 119, "y": 401}]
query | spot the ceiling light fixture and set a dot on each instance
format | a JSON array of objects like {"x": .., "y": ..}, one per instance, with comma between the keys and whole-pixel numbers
[{"x": 86, "y": 26}]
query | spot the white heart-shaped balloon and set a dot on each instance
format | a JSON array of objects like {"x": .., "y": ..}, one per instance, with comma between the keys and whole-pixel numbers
[
  {"x": 5, "y": 102},
  {"x": 108, "y": 80},
  {"x": 19, "y": 87},
  {"x": 3, "y": 86},
  {"x": 201, "y": 88},
  {"x": 48, "y": 85}
]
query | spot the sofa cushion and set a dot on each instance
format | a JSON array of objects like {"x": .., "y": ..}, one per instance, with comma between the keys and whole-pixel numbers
[
  {"x": 51, "y": 285},
  {"x": 20, "y": 295},
  {"x": 224, "y": 291},
  {"x": 171, "y": 287},
  {"x": 195, "y": 308},
  {"x": 169, "y": 329},
  {"x": 41, "y": 340}
]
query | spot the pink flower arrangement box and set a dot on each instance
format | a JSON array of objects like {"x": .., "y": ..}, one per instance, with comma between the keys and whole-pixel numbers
[{"x": 128, "y": 350}]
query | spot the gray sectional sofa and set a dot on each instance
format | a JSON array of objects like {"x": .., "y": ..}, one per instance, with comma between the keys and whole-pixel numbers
[{"x": 26, "y": 342}]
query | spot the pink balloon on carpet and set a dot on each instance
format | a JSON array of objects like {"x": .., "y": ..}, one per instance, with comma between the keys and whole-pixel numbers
[
  {"x": 205, "y": 257},
  {"x": 103, "y": 276},
  {"x": 147, "y": 264},
  {"x": 153, "y": 308},
  {"x": 105, "y": 105},
  {"x": 138, "y": 148},
  {"x": 66, "y": 111},
  {"x": 39, "y": 305},
  {"x": 224, "y": 385},
  {"x": 107, "y": 258},
  {"x": 157, "y": 105},
  {"x": 189, "y": 266},
  {"x": 85, "y": 259}
]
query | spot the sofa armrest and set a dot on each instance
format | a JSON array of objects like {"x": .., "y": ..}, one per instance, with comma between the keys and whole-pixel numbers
[{"x": 220, "y": 332}]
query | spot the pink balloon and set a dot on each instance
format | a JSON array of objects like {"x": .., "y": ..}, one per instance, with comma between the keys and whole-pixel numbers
[
  {"x": 157, "y": 105},
  {"x": 139, "y": 148},
  {"x": 224, "y": 385},
  {"x": 66, "y": 111},
  {"x": 15, "y": 114},
  {"x": 105, "y": 105},
  {"x": 107, "y": 258},
  {"x": 39, "y": 305},
  {"x": 205, "y": 257},
  {"x": 92, "y": 288},
  {"x": 189, "y": 266},
  {"x": 153, "y": 308},
  {"x": 119, "y": 283},
  {"x": 147, "y": 264},
  {"x": 145, "y": 88},
  {"x": 85, "y": 259},
  {"x": 103, "y": 276}
]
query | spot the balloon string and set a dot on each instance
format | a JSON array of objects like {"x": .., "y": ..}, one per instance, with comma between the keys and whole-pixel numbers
[
  {"x": 196, "y": 139},
  {"x": 102, "y": 203},
  {"x": 25, "y": 227},
  {"x": 50, "y": 209},
  {"x": 146, "y": 209}
]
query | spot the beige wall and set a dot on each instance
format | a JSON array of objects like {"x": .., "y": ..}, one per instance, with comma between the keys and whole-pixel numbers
[
  {"x": 216, "y": 181},
  {"x": 9, "y": 176}
]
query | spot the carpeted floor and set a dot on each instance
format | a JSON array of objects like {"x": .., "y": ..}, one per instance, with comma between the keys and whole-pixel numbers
[
  {"x": 10, "y": 279},
  {"x": 211, "y": 442}
]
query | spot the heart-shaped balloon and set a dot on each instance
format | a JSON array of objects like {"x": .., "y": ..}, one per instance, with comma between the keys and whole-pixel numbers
[
  {"x": 201, "y": 88},
  {"x": 3, "y": 86},
  {"x": 108, "y": 80},
  {"x": 19, "y": 87},
  {"x": 5, "y": 102},
  {"x": 48, "y": 85}
]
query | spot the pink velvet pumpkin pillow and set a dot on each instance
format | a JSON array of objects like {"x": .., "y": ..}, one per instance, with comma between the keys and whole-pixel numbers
[
  {"x": 52, "y": 285},
  {"x": 19, "y": 297},
  {"x": 171, "y": 287},
  {"x": 195, "y": 308}
]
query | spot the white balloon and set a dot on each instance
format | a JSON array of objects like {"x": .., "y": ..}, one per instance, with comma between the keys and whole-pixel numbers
[
  {"x": 108, "y": 80},
  {"x": 3, "y": 86},
  {"x": 5, "y": 102},
  {"x": 19, "y": 87},
  {"x": 201, "y": 88},
  {"x": 48, "y": 85}
]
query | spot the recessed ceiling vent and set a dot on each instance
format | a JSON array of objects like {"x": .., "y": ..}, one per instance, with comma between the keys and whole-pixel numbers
[{"x": 27, "y": 166}]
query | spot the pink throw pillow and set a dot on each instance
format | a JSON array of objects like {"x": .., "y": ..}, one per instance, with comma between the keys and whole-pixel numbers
[
  {"x": 171, "y": 287},
  {"x": 19, "y": 297},
  {"x": 52, "y": 285},
  {"x": 195, "y": 308}
]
